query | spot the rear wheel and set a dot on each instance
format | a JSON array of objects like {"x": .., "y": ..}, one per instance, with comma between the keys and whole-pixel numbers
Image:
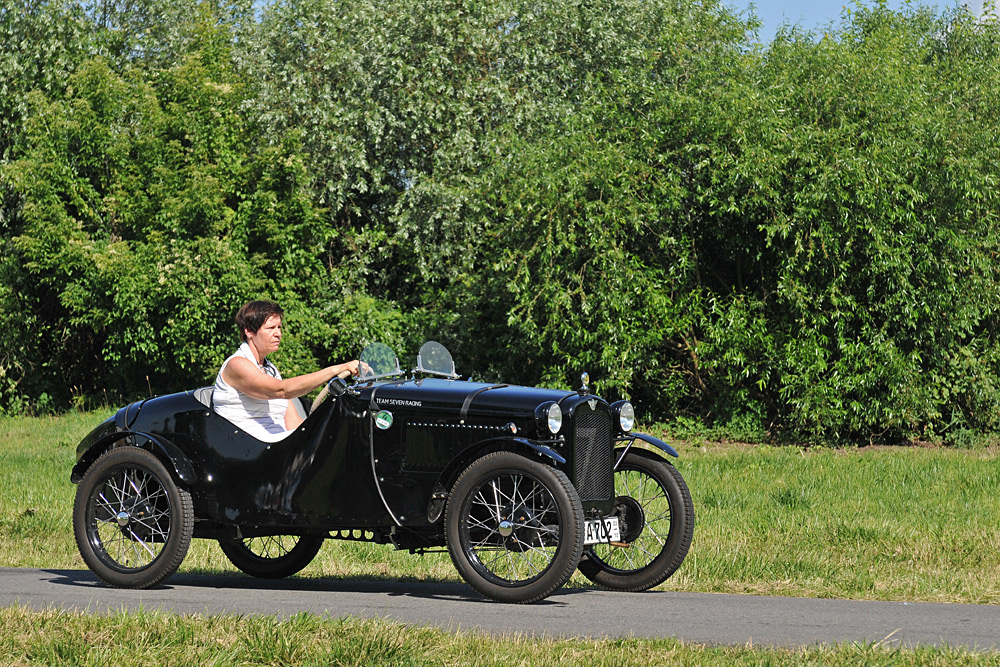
[
  {"x": 272, "y": 556},
  {"x": 132, "y": 523},
  {"x": 656, "y": 515},
  {"x": 514, "y": 527}
]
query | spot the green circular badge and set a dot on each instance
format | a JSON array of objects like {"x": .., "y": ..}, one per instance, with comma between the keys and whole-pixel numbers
[{"x": 383, "y": 419}]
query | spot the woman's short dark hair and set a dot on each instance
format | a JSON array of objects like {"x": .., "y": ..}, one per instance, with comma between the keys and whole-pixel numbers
[{"x": 253, "y": 314}]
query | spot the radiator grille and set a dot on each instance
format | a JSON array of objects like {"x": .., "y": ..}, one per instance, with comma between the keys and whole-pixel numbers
[{"x": 592, "y": 457}]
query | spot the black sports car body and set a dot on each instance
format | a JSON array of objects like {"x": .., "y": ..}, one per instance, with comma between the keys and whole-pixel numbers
[{"x": 521, "y": 485}]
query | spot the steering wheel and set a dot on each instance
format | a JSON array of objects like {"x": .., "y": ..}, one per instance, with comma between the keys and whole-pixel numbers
[{"x": 321, "y": 396}]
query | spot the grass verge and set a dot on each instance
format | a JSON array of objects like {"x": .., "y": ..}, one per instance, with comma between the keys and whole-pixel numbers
[{"x": 153, "y": 639}]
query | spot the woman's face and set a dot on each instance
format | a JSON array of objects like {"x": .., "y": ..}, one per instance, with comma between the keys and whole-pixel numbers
[{"x": 268, "y": 337}]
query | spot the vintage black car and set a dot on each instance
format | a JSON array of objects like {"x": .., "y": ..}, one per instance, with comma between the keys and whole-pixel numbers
[{"x": 522, "y": 485}]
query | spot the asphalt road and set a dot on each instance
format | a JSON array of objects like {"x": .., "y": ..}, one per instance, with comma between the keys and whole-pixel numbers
[{"x": 692, "y": 617}]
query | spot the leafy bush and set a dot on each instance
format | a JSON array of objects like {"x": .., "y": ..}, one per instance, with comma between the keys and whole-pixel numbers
[{"x": 794, "y": 240}]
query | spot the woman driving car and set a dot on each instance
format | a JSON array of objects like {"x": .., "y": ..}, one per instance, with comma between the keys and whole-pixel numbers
[{"x": 249, "y": 390}]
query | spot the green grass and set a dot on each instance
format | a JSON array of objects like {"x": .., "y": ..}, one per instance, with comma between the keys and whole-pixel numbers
[
  {"x": 892, "y": 524},
  {"x": 154, "y": 639},
  {"x": 877, "y": 523}
]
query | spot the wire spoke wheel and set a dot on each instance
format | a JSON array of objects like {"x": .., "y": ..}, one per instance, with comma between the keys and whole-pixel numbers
[
  {"x": 132, "y": 523},
  {"x": 271, "y": 547},
  {"x": 656, "y": 515},
  {"x": 650, "y": 540},
  {"x": 514, "y": 527},
  {"x": 272, "y": 556}
]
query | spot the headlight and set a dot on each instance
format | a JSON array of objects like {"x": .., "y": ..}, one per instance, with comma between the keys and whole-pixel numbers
[
  {"x": 555, "y": 418},
  {"x": 549, "y": 416},
  {"x": 625, "y": 413}
]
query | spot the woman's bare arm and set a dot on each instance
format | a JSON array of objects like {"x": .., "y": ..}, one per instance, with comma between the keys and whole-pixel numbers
[{"x": 243, "y": 375}]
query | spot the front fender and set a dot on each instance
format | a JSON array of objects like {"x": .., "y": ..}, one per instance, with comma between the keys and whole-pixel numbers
[
  {"x": 446, "y": 479},
  {"x": 182, "y": 466},
  {"x": 656, "y": 442},
  {"x": 541, "y": 450}
]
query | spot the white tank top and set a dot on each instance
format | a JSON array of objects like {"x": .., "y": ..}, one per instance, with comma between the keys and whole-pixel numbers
[{"x": 262, "y": 418}]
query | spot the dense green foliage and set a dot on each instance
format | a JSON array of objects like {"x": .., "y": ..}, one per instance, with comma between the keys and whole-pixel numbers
[{"x": 797, "y": 238}]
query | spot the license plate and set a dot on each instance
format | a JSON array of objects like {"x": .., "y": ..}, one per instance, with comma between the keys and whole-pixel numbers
[{"x": 601, "y": 531}]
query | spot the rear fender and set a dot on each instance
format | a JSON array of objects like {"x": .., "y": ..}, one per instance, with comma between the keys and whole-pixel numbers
[{"x": 178, "y": 462}]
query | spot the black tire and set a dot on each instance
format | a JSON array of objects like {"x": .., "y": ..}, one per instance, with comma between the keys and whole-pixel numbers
[
  {"x": 132, "y": 523},
  {"x": 514, "y": 527},
  {"x": 655, "y": 506},
  {"x": 272, "y": 556}
]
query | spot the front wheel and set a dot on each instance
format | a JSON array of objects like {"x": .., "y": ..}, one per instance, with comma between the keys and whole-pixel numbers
[
  {"x": 271, "y": 556},
  {"x": 656, "y": 515},
  {"x": 514, "y": 527},
  {"x": 132, "y": 523}
]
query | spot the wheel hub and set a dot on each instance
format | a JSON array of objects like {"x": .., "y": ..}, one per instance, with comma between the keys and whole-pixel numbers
[
  {"x": 516, "y": 528},
  {"x": 631, "y": 518},
  {"x": 131, "y": 519}
]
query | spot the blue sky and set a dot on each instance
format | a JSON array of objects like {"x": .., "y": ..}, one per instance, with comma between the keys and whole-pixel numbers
[{"x": 811, "y": 14}]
